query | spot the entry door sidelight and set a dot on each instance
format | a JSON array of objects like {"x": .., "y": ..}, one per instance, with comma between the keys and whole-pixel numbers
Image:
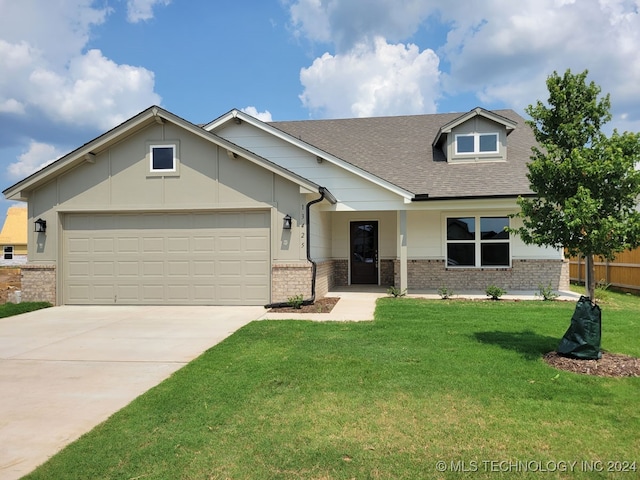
[{"x": 364, "y": 253}]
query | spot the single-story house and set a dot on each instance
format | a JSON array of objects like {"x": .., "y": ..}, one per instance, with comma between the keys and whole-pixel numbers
[
  {"x": 13, "y": 237},
  {"x": 239, "y": 211}
]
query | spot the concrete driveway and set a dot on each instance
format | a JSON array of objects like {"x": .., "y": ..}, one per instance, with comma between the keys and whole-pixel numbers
[{"x": 63, "y": 370}]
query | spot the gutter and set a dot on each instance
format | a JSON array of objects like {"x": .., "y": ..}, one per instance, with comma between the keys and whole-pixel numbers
[
  {"x": 324, "y": 193},
  {"x": 424, "y": 197}
]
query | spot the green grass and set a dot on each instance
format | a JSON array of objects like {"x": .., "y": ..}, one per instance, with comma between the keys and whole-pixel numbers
[
  {"x": 427, "y": 381},
  {"x": 10, "y": 309}
]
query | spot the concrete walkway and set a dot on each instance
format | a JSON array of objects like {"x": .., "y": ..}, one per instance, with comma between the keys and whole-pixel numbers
[{"x": 357, "y": 303}]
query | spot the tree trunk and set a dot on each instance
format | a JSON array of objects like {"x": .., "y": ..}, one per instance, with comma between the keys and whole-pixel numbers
[{"x": 590, "y": 278}]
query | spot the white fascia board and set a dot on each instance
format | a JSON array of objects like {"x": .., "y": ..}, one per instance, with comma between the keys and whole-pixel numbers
[{"x": 233, "y": 114}]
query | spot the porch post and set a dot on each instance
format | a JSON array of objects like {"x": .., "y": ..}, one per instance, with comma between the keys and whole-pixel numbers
[{"x": 402, "y": 249}]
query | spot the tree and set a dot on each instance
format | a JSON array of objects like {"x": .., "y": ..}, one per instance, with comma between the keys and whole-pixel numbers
[{"x": 587, "y": 185}]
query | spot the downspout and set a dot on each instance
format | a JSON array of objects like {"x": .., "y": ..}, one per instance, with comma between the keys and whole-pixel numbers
[{"x": 309, "y": 301}]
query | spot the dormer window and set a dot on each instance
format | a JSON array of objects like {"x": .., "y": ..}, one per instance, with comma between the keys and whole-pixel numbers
[{"x": 473, "y": 143}]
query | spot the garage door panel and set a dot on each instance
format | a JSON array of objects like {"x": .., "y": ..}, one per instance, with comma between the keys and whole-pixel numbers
[
  {"x": 103, "y": 268},
  {"x": 204, "y": 258},
  {"x": 127, "y": 245}
]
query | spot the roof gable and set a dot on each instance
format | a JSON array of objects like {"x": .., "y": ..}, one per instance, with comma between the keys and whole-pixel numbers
[
  {"x": 508, "y": 124},
  {"x": 88, "y": 152}
]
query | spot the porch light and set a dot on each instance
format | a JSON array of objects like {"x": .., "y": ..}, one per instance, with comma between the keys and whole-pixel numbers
[
  {"x": 41, "y": 225},
  {"x": 286, "y": 225}
]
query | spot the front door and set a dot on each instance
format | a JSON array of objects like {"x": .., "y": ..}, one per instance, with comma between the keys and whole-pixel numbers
[{"x": 364, "y": 253}]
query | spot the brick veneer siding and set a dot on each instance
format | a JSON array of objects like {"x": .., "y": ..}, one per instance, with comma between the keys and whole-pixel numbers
[
  {"x": 38, "y": 283},
  {"x": 523, "y": 275},
  {"x": 341, "y": 271},
  {"x": 387, "y": 269},
  {"x": 291, "y": 279}
]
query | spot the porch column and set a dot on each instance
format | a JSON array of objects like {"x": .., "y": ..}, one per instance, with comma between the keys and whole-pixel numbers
[{"x": 402, "y": 248}]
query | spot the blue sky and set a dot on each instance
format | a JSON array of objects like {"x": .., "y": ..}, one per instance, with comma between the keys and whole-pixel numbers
[{"x": 72, "y": 69}]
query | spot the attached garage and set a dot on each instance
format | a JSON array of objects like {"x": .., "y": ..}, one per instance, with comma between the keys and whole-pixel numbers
[{"x": 212, "y": 258}]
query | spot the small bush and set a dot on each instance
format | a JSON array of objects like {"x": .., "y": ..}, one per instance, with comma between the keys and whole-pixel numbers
[
  {"x": 602, "y": 291},
  {"x": 445, "y": 293},
  {"x": 396, "y": 292},
  {"x": 546, "y": 292},
  {"x": 296, "y": 301},
  {"x": 495, "y": 292}
]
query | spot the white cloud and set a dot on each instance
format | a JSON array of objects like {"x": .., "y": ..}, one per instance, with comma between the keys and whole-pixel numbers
[
  {"x": 38, "y": 156},
  {"x": 383, "y": 80},
  {"x": 502, "y": 52},
  {"x": 253, "y": 111},
  {"x": 139, "y": 10},
  {"x": 48, "y": 75},
  {"x": 94, "y": 89},
  {"x": 347, "y": 24}
]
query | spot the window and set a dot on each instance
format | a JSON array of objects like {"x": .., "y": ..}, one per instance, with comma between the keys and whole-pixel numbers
[
  {"x": 468, "y": 246},
  {"x": 8, "y": 252},
  {"x": 477, "y": 143},
  {"x": 163, "y": 158}
]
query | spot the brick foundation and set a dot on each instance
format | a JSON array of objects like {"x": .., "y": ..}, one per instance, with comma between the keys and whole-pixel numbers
[
  {"x": 38, "y": 283},
  {"x": 523, "y": 275}
]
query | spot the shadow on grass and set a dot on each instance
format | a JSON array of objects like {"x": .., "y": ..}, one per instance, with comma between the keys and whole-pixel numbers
[{"x": 529, "y": 344}]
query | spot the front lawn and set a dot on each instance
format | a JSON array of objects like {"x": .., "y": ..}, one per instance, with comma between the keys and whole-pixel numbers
[
  {"x": 10, "y": 309},
  {"x": 428, "y": 381}
]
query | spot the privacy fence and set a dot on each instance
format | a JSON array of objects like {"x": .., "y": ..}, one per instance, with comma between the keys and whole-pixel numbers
[{"x": 623, "y": 272}]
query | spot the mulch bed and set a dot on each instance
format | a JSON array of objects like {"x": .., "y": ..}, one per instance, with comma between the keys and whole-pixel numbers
[
  {"x": 610, "y": 365},
  {"x": 322, "y": 305},
  {"x": 10, "y": 279}
]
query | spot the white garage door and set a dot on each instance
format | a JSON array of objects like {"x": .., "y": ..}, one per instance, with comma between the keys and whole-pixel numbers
[{"x": 167, "y": 259}]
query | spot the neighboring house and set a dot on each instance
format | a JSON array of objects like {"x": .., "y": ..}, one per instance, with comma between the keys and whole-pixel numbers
[
  {"x": 13, "y": 237},
  {"x": 162, "y": 211}
]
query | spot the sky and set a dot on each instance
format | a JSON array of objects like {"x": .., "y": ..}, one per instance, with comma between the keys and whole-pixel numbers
[{"x": 72, "y": 69}]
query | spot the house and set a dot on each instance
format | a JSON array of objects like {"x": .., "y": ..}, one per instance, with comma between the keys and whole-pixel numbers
[
  {"x": 159, "y": 210},
  {"x": 13, "y": 237}
]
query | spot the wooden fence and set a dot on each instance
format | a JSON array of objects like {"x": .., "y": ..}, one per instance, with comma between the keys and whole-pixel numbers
[{"x": 623, "y": 272}]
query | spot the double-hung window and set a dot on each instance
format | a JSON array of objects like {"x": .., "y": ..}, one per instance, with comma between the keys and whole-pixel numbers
[
  {"x": 476, "y": 241},
  {"x": 8, "y": 252},
  {"x": 476, "y": 143}
]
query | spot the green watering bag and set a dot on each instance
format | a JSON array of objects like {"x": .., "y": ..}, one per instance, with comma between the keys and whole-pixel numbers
[{"x": 582, "y": 339}]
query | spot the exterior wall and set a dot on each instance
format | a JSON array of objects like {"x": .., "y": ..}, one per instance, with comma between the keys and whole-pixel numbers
[
  {"x": 39, "y": 283},
  {"x": 523, "y": 275},
  {"x": 289, "y": 280},
  {"x": 120, "y": 180},
  {"x": 355, "y": 193}
]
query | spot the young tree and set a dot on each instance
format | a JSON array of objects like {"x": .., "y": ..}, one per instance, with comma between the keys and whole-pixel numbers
[{"x": 587, "y": 185}]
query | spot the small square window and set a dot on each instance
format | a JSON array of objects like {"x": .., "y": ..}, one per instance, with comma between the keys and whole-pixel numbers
[
  {"x": 163, "y": 158},
  {"x": 8, "y": 252}
]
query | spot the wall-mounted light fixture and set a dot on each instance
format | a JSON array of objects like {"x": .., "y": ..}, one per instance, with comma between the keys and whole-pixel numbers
[
  {"x": 41, "y": 225},
  {"x": 286, "y": 222}
]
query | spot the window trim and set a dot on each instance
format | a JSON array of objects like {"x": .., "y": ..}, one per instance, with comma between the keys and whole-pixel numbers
[
  {"x": 478, "y": 242},
  {"x": 476, "y": 143},
  {"x": 175, "y": 145}
]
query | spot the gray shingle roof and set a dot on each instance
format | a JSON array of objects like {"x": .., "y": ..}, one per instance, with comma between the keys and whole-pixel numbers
[{"x": 399, "y": 150}]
